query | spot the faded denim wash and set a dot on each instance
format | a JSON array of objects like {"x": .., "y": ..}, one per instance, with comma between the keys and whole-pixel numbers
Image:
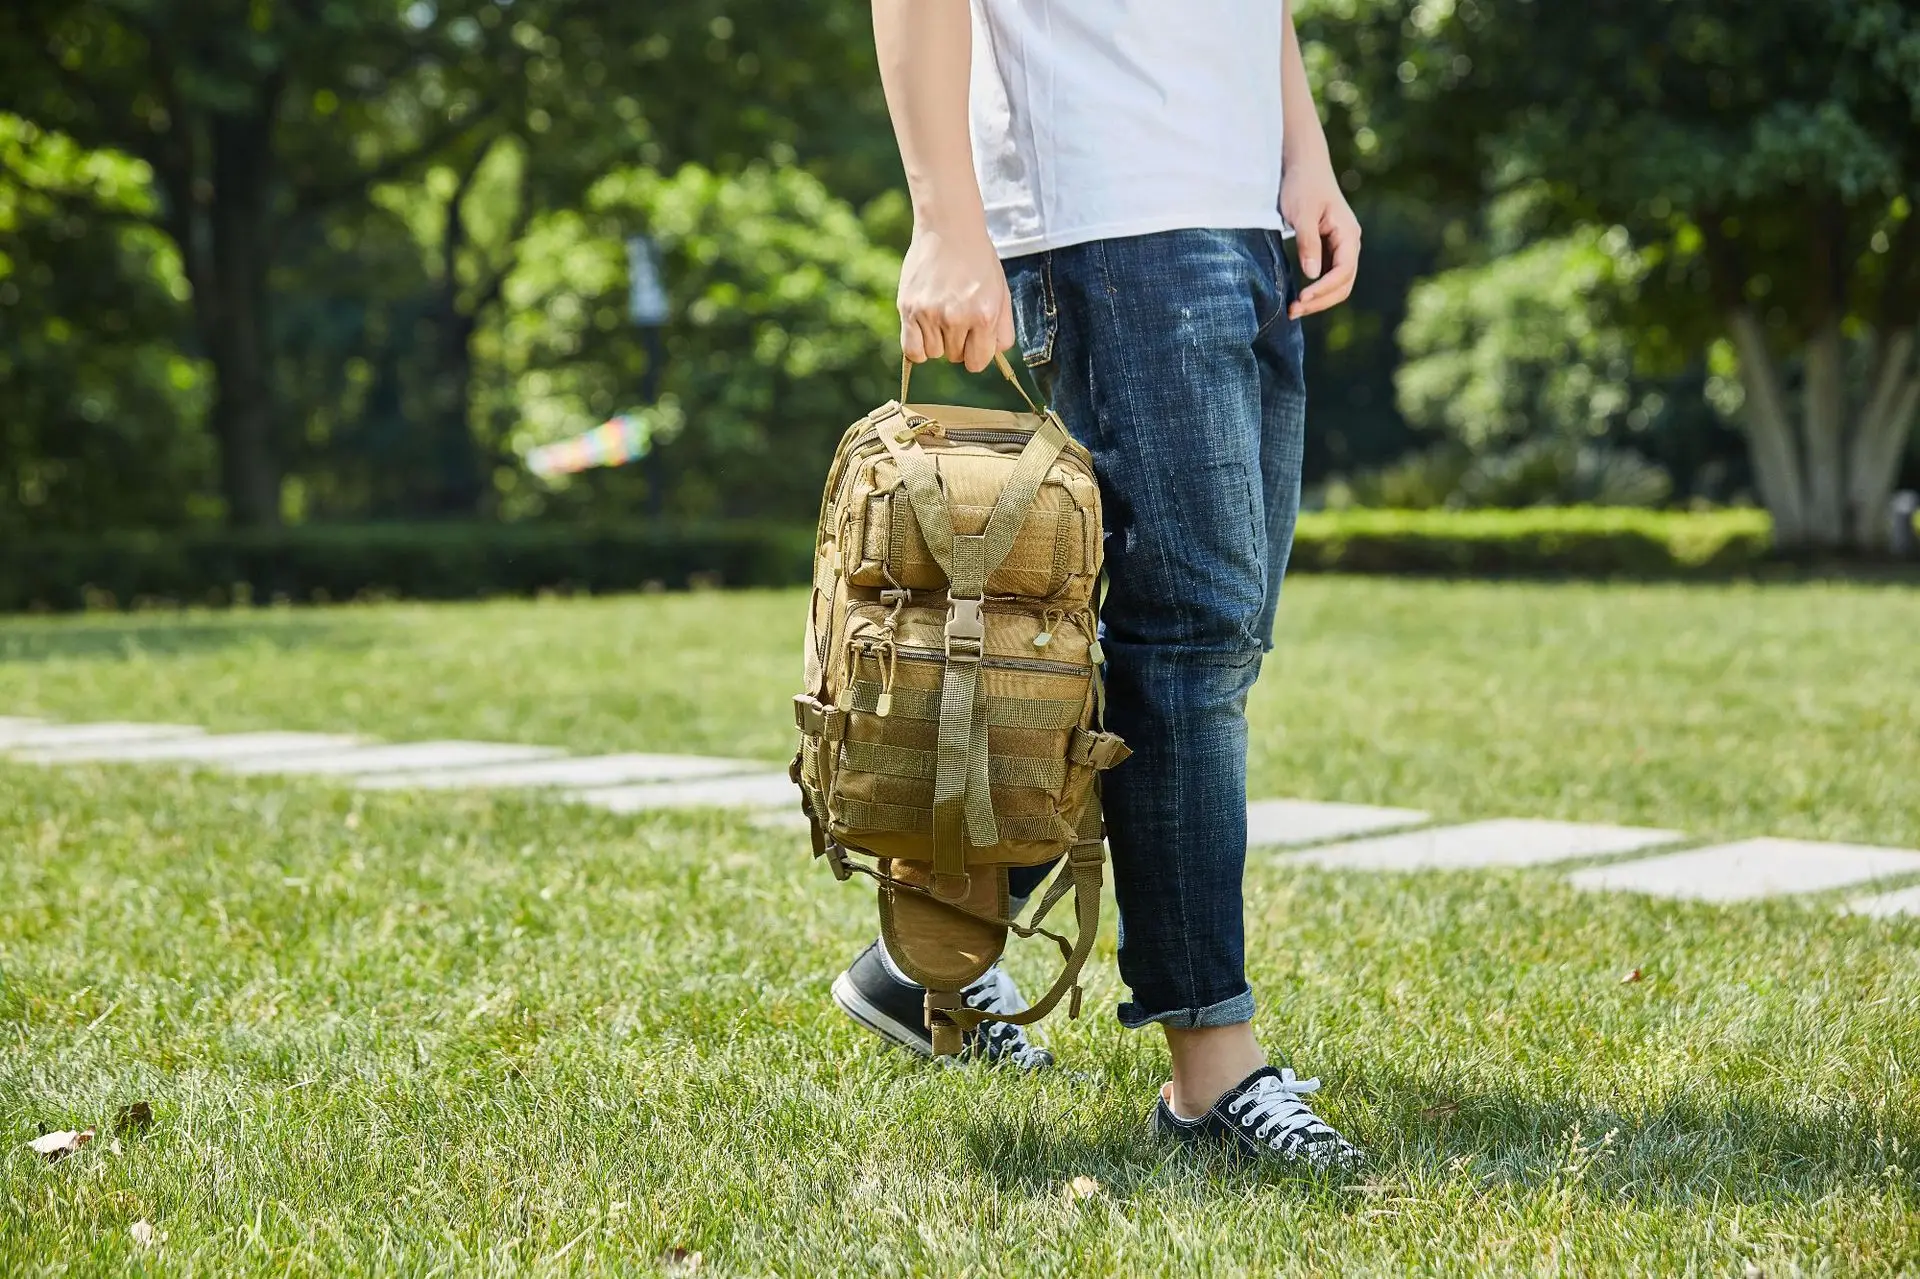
[{"x": 1171, "y": 357}]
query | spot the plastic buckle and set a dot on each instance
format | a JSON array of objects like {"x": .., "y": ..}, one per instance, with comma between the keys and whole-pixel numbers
[{"x": 966, "y": 630}]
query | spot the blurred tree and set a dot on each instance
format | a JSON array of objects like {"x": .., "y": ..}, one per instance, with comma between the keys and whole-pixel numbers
[
  {"x": 1529, "y": 343},
  {"x": 1767, "y": 162},
  {"x": 99, "y": 406},
  {"x": 266, "y": 124},
  {"x": 782, "y": 321},
  {"x": 252, "y": 118}
]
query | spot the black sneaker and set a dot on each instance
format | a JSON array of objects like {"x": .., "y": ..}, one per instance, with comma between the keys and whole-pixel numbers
[
  {"x": 895, "y": 1010},
  {"x": 1262, "y": 1117}
]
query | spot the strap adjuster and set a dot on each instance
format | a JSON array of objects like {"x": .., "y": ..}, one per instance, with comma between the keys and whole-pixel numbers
[{"x": 966, "y": 630}]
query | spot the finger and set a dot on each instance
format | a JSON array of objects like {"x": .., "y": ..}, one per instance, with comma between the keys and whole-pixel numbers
[
  {"x": 912, "y": 345},
  {"x": 953, "y": 338},
  {"x": 1306, "y": 242},
  {"x": 1003, "y": 337},
  {"x": 1333, "y": 288},
  {"x": 980, "y": 347}
]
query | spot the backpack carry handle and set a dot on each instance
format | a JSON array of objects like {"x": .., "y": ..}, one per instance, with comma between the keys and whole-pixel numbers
[{"x": 1000, "y": 361}]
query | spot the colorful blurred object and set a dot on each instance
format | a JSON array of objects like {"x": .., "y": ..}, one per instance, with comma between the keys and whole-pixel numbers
[{"x": 614, "y": 442}]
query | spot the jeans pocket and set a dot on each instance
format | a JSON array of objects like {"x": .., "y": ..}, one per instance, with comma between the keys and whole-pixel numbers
[
  {"x": 1035, "y": 318},
  {"x": 1283, "y": 281}
]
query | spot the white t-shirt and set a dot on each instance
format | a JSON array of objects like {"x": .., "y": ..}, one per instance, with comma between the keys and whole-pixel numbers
[{"x": 1100, "y": 118}]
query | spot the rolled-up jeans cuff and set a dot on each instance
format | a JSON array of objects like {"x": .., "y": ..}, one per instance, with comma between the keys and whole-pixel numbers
[{"x": 1228, "y": 1012}]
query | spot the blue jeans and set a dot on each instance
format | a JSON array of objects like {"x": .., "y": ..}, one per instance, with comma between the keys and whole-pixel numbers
[{"x": 1171, "y": 357}]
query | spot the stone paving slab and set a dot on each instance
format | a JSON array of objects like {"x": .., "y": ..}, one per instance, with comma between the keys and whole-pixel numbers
[
  {"x": 29, "y": 735},
  {"x": 1477, "y": 845},
  {"x": 1750, "y": 868},
  {"x": 406, "y": 757},
  {"x": 192, "y": 749},
  {"x": 1901, "y": 901},
  {"x": 579, "y": 771},
  {"x": 755, "y": 790},
  {"x": 1276, "y": 823}
]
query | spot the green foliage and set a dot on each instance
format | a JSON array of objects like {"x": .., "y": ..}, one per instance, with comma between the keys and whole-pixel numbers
[
  {"x": 1541, "y": 472},
  {"x": 783, "y": 330},
  {"x": 1576, "y": 541},
  {"x": 99, "y": 425},
  {"x": 1764, "y": 164},
  {"x": 315, "y": 563},
  {"x": 1527, "y": 344}
]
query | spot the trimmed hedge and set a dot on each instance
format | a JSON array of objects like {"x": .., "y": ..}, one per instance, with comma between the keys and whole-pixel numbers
[
  {"x": 1591, "y": 541},
  {"x": 319, "y": 563}
]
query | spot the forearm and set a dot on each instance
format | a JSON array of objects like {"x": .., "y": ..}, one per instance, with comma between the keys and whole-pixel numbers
[
  {"x": 1305, "y": 141},
  {"x": 926, "y": 58}
]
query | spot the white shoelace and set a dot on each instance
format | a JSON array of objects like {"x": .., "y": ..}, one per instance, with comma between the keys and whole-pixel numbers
[
  {"x": 1273, "y": 1113},
  {"x": 996, "y": 993}
]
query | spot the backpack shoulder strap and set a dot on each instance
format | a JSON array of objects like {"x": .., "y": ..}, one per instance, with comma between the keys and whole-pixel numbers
[{"x": 1082, "y": 873}]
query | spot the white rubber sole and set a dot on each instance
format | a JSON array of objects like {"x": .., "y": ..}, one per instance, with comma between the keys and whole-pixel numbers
[{"x": 856, "y": 1006}]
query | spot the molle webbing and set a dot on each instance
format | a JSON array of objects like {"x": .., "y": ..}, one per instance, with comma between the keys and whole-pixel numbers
[
  {"x": 1002, "y": 712},
  {"x": 962, "y": 798}
]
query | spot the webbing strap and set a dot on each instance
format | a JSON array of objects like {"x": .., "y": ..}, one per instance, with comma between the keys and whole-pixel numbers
[
  {"x": 999, "y": 361},
  {"x": 1041, "y": 714},
  {"x": 860, "y": 814},
  {"x": 1021, "y": 489},
  {"x": 1092, "y": 830},
  {"x": 924, "y": 495},
  {"x": 962, "y": 794},
  {"x": 1002, "y": 770},
  {"x": 1083, "y": 872}
]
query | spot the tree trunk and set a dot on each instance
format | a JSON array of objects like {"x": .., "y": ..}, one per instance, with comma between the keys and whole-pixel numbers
[
  {"x": 243, "y": 417},
  {"x": 1886, "y": 424},
  {"x": 457, "y": 481},
  {"x": 1823, "y": 419},
  {"x": 1770, "y": 432},
  {"x": 219, "y": 187}
]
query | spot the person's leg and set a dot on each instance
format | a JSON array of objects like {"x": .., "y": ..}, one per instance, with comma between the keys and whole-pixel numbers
[
  {"x": 1158, "y": 353},
  {"x": 1208, "y": 1060}
]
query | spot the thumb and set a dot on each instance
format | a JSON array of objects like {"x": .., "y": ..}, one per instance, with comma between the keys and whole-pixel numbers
[{"x": 1306, "y": 242}]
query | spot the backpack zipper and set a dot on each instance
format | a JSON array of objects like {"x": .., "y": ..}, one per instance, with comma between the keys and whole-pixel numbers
[{"x": 1034, "y": 664}]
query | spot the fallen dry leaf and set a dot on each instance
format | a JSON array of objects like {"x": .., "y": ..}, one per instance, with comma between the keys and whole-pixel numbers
[
  {"x": 58, "y": 1145},
  {"x": 145, "y": 1235},
  {"x": 679, "y": 1261},
  {"x": 1082, "y": 1187},
  {"x": 1441, "y": 1109},
  {"x": 137, "y": 1117},
  {"x": 1630, "y": 978}
]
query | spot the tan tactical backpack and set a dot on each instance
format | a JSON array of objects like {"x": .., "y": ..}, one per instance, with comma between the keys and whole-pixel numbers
[{"x": 950, "y": 727}]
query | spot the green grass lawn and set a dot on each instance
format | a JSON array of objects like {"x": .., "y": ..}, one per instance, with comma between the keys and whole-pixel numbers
[{"x": 473, "y": 1033}]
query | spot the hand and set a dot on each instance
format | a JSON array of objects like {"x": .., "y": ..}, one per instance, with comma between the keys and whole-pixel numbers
[
  {"x": 953, "y": 299},
  {"x": 1323, "y": 223}
]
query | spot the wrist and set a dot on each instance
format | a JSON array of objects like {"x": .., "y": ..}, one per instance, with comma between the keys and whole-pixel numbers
[
  {"x": 1305, "y": 144},
  {"x": 950, "y": 220}
]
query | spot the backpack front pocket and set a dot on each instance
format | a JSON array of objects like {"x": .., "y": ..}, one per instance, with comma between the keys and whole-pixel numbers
[
  {"x": 1051, "y": 558},
  {"x": 1034, "y": 696}
]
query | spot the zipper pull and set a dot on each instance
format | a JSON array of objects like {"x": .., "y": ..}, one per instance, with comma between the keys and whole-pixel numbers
[
  {"x": 1048, "y": 620},
  {"x": 890, "y": 665}
]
